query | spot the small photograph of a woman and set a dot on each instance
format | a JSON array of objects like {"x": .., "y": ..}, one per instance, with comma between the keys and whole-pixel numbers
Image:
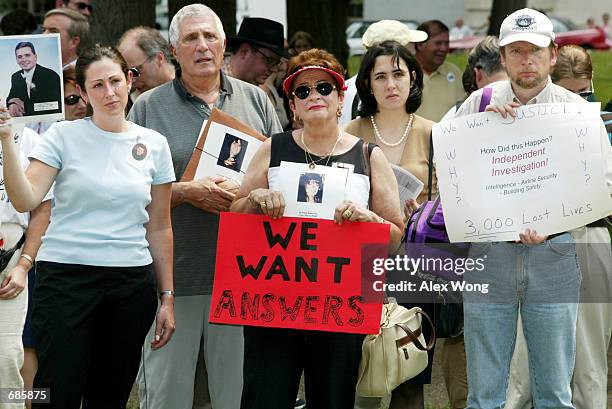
[
  {"x": 310, "y": 189},
  {"x": 232, "y": 152}
]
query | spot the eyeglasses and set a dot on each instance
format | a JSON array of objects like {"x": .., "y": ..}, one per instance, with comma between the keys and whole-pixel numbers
[
  {"x": 82, "y": 6},
  {"x": 588, "y": 93},
  {"x": 271, "y": 62},
  {"x": 323, "y": 88},
  {"x": 136, "y": 71},
  {"x": 72, "y": 99}
]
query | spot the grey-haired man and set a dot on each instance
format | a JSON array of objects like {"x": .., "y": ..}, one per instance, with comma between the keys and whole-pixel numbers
[{"x": 177, "y": 110}]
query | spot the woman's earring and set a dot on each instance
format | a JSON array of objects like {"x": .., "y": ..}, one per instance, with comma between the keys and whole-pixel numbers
[
  {"x": 339, "y": 111},
  {"x": 297, "y": 119}
]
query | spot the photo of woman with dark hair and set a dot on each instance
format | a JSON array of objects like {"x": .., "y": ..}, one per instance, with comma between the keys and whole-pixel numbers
[
  {"x": 232, "y": 152},
  {"x": 311, "y": 188}
]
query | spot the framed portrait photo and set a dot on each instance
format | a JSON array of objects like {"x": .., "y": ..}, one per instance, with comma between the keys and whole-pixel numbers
[{"x": 31, "y": 84}]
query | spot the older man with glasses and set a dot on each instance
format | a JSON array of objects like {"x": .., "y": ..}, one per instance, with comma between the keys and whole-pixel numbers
[
  {"x": 148, "y": 54},
  {"x": 256, "y": 50}
]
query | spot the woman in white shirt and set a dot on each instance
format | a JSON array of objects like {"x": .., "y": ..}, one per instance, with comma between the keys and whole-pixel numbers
[{"x": 110, "y": 227}]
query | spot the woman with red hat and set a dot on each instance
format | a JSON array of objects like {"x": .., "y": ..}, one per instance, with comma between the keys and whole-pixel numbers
[{"x": 330, "y": 360}]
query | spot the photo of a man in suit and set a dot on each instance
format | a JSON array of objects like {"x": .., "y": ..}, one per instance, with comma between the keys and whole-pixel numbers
[{"x": 35, "y": 90}]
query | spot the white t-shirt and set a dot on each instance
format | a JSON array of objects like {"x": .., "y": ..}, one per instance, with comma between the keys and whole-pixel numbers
[
  {"x": 101, "y": 192},
  {"x": 26, "y": 139}
]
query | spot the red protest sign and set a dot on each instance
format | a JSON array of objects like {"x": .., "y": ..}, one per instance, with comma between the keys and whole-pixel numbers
[{"x": 293, "y": 273}]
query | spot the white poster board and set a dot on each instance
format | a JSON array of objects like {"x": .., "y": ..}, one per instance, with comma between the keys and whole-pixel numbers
[
  {"x": 543, "y": 170},
  {"x": 313, "y": 193},
  {"x": 226, "y": 152}
]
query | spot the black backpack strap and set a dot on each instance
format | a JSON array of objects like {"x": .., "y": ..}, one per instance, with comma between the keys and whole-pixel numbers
[{"x": 430, "y": 166}]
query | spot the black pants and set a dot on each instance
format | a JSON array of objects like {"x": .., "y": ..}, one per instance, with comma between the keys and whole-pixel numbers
[
  {"x": 274, "y": 359},
  {"x": 89, "y": 326}
]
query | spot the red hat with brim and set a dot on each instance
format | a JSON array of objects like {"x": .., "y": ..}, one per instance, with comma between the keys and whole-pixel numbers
[{"x": 289, "y": 80}]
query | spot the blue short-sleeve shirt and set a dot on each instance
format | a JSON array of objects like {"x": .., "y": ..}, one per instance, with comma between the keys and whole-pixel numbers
[{"x": 101, "y": 192}]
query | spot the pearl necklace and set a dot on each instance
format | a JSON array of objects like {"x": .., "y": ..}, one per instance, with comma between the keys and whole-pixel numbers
[
  {"x": 398, "y": 143},
  {"x": 307, "y": 155}
]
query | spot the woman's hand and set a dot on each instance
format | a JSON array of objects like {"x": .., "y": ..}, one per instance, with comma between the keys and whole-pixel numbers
[
  {"x": 164, "y": 322},
  {"x": 269, "y": 202},
  {"x": 6, "y": 130},
  {"x": 532, "y": 237},
  {"x": 349, "y": 211},
  {"x": 504, "y": 110},
  {"x": 14, "y": 283}
]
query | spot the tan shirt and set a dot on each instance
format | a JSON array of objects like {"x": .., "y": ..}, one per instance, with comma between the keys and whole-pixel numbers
[
  {"x": 503, "y": 94},
  {"x": 441, "y": 90},
  {"x": 415, "y": 157}
]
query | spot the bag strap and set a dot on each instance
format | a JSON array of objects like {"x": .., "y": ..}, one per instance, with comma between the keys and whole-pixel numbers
[
  {"x": 413, "y": 336},
  {"x": 430, "y": 166},
  {"x": 367, "y": 151},
  {"x": 487, "y": 92}
]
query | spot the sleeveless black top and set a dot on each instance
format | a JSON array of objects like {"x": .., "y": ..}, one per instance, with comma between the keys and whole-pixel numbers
[{"x": 284, "y": 148}]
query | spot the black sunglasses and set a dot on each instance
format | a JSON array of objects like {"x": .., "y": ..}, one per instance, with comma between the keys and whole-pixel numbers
[
  {"x": 82, "y": 6},
  {"x": 323, "y": 88},
  {"x": 72, "y": 99},
  {"x": 135, "y": 72},
  {"x": 588, "y": 93}
]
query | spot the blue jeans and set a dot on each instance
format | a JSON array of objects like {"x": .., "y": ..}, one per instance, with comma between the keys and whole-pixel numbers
[{"x": 544, "y": 282}]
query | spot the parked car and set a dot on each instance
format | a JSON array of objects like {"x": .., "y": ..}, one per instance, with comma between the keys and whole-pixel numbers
[
  {"x": 356, "y": 29},
  {"x": 565, "y": 33}
]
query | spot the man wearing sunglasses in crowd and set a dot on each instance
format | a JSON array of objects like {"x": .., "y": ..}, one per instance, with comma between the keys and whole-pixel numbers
[
  {"x": 83, "y": 7},
  {"x": 256, "y": 51},
  {"x": 148, "y": 54}
]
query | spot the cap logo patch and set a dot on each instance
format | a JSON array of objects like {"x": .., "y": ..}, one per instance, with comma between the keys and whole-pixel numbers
[{"x": 524, "y": 22}]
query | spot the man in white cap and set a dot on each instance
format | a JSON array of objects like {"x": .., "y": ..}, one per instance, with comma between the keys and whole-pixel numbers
[
  {"x": 542, "y": 281},
  {"x": 383, "y": 30}
]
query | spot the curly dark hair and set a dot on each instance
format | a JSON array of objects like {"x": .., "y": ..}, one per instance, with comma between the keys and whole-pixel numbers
[{"x": 369, "y": 106}]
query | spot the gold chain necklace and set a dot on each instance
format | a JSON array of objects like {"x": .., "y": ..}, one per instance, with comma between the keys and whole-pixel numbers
[{"x": 308, "y": 156}]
